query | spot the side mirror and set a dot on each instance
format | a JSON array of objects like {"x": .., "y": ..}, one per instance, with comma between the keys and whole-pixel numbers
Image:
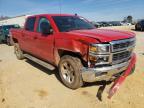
[{"x": 45, "y": 28}]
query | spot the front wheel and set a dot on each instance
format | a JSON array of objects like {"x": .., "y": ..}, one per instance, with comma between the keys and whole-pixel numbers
[{"x": 70, "y": 71}]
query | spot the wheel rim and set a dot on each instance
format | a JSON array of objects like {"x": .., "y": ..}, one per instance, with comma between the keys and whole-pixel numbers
[
  {"x": 67, "y": 72},
  {"x": 17, "y": 51}
]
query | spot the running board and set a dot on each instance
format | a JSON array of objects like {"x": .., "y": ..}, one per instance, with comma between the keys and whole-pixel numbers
[{"x": 40, "y": 62}]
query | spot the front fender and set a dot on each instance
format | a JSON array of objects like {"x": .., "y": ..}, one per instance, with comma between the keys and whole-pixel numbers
[{"x": 74, "y": 46}]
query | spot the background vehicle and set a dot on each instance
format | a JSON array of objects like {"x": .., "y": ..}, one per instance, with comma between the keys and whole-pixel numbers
[
  {"x": 0, "y": 34},
  {"x": 96, "y": 24},
  {"x": 140, "y": 25},
  {"x": 4, "y": 33},
  {"x": 81, "y": 52},
  {"x": 104, "y": 24},
  {"x": 115, "y": 23}
]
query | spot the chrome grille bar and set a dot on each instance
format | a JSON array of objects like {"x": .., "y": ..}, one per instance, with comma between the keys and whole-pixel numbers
[
  {"x": 122, "y": 44},
  {"x": 122, "y": 50}
]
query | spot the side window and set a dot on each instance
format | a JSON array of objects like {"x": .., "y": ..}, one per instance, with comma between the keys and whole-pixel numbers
[
  {"x": 0, "y": 30},
  {"x": 42, "y": 20},
  {"x": 142, "y": 22},
  {"x": 30, "y": 24}
]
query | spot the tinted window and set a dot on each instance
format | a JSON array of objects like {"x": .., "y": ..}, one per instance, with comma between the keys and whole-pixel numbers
[
  {"x": 30, "y": 24},
  {"x": 7, "y": 27},
  {"x": 41, "y": 20},
  {"x": 68, "y": 23},
  {"x": 0, "y": 29},
  {"x": 142, "y": 22}
]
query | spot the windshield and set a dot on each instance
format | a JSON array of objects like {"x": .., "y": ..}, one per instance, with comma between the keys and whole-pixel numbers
[
  {"x": 68, "y": 23},
  {"x": 10, "y": 26}
]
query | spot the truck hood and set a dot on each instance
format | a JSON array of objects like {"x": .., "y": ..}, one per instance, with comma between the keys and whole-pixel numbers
[{"x": 103, "y": 35}]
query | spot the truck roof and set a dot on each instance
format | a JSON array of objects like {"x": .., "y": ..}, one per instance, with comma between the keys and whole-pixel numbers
[{"x": 52, "y": 15}]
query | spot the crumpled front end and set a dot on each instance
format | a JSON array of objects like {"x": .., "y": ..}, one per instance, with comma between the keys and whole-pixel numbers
[
  {"x": 121, "y": 79},
  {"x": 108, "y": 73},
  {"x": 108, "y": 61}
]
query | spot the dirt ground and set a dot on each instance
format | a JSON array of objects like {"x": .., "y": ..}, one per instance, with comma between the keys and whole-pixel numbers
[{"x": 24, "y": 84}]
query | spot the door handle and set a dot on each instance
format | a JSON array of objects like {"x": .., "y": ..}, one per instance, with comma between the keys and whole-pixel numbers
[
  {"x": 23, "y": 35},
  {"x": 35, "y": 37}
]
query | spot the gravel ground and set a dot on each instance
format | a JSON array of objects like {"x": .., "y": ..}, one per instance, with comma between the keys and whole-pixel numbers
[{"x": 24, "y": 84}]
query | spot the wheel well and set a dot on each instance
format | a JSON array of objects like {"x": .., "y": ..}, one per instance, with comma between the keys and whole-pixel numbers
[
  {"x": 74, "y": 54},
  {"x": 15, "y": 40}
]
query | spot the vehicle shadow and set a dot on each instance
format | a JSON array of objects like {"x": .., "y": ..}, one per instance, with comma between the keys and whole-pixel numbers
[
  {"x": 101, "y": 84},
  {"x": 137, "y": 30},
  {"x": 45, "y": 70}
]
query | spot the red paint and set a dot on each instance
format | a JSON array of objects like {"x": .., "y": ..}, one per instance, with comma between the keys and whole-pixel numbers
[
  {"x": 121, "y": 79},
  {"x": 75, "y": 41}
]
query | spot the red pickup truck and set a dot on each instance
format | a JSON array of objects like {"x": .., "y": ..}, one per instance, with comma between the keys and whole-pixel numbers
[{"x": 81, "y": 52}]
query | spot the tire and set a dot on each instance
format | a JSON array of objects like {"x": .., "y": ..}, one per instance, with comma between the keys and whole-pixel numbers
[
  {"x": 70, "y": 71},
  {"x": 8, "y": 41},
  {"x": 136, "y": 29},
  {"x": 18, "y": 52},
  {"x": 142, "y": 29}
]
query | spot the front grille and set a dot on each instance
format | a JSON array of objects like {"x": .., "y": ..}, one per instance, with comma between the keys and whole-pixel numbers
[
  {"x": 120, "y": 51},
  {"x": 122, "y": 44},
  {"x": 121, "y": 56}
]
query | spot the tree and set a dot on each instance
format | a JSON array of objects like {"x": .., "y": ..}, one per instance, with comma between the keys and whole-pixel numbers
[
  {"x": 129, "y": 19},
  {"x": 125, "y": 19}
]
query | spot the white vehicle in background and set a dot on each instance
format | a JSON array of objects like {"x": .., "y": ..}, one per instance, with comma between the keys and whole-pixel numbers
[{"x": 125, "y": 24}]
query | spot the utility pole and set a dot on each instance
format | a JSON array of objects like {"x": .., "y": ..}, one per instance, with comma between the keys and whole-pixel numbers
[{"x": 60, "y": 5}]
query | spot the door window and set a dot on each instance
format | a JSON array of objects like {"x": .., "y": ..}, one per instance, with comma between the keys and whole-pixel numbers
[
  {"x": 30, "y": 24},
  {"x": 42, "y": 20}
]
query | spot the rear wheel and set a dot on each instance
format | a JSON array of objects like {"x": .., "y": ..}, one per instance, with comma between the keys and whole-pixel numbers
[
  {"x": 70, "y": 71},
  {"x": 8, "y": 41},
  {"x": 18, "y": 51}
]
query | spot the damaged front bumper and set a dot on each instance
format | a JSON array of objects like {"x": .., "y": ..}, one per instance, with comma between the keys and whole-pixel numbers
[
  {"x": 105, "y": 73},
  {"x": 121, "y": 79},
  {"x": 109, "y": 73}
]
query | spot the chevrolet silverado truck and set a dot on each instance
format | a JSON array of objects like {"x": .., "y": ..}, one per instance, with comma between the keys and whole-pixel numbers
[{"x": 81, "y": 52}]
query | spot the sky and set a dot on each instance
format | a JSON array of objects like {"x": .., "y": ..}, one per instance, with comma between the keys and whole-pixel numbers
[{"x": 93, "y": 10}]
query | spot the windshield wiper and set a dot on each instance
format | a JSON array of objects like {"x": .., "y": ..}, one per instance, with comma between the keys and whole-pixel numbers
[{"x": 72, "y": 29}]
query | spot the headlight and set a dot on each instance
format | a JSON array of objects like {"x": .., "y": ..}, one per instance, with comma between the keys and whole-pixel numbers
[{"x": 99, "y": 48}]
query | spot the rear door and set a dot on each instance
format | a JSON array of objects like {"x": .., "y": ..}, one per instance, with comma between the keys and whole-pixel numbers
[
  {"x": 44, "y": 43},
  {"x": 28, "y": 36}
]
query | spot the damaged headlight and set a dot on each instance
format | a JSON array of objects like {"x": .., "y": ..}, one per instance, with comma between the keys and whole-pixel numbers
[
  {"x": 100, "y": 48},
  {"x": 99, "y": 54}
]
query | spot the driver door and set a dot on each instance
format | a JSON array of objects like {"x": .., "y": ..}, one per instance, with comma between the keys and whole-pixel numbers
[{"x": 44, "y": 42}]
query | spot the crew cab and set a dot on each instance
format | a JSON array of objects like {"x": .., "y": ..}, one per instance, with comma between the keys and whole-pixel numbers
[{"x": 81, "y": 52}]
